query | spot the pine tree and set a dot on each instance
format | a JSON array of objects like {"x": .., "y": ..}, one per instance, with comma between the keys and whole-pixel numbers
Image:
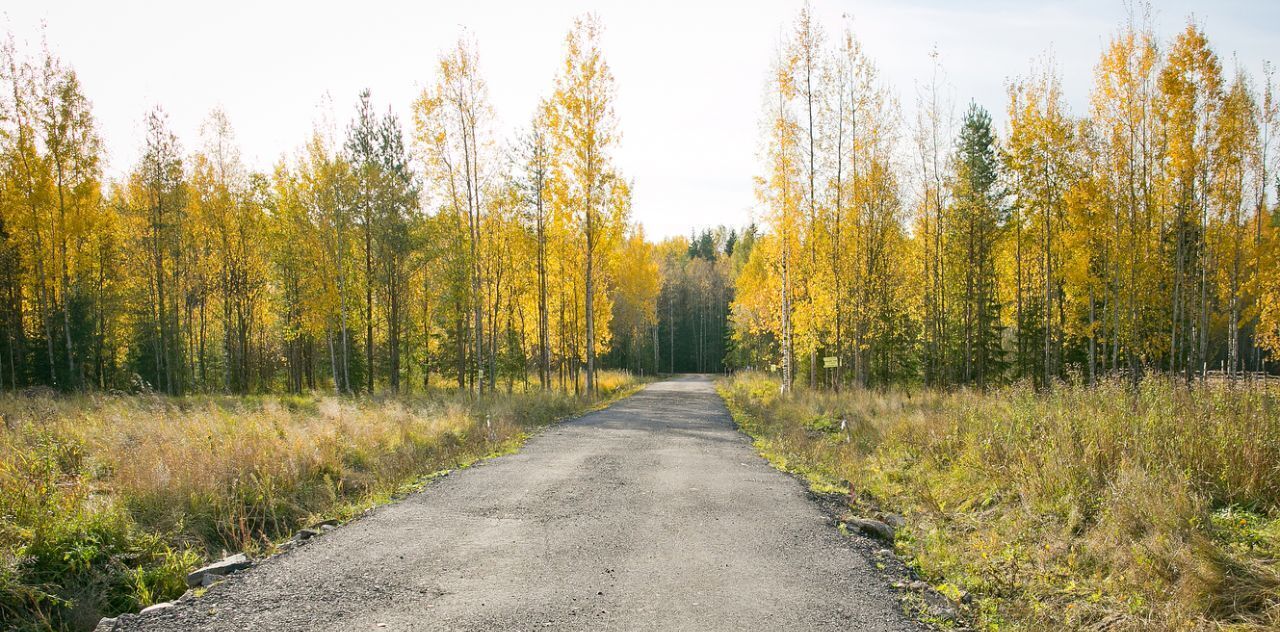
[{"x": 977, "y": 221}]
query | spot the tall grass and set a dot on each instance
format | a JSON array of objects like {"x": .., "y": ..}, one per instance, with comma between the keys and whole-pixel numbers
[
  {"x": 106, "y": 502},
  {"x": 1082, "y": 508}
]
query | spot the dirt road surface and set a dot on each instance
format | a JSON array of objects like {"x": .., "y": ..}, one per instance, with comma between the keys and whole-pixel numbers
[{"x": 653, "y": 514}]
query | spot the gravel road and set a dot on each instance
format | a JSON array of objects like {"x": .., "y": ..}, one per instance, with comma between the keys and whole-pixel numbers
[{"x": 654, "y": 514}]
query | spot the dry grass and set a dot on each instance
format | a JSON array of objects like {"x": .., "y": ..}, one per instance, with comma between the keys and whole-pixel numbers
[
  {"x": 107, "y": 501},
  {"x": 1084, "y": 508}
]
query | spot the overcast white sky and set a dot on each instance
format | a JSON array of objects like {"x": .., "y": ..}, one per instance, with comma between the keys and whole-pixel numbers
[{"x": 690, "y": 74}]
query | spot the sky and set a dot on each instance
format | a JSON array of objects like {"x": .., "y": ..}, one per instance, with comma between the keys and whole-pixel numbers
[{"x": 690, "y": 74}]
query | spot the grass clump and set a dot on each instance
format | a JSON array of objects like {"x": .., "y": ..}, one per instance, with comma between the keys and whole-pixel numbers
[
  {"x": 108, "y": 501},
  {"x": 1081, "y": 508}
]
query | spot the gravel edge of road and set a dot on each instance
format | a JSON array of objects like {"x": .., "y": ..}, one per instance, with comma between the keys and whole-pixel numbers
[
  {"x": 431, "y": 478},
  {"x": 120, "y": 621},
  {"x": 887, "y": 565}
]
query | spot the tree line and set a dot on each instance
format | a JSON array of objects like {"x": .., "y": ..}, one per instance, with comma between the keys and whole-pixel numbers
[
  {"x": 380, "y": 256},
  {"x": 1137, "y": 236},
  {"x": 1140, "y": 235}
]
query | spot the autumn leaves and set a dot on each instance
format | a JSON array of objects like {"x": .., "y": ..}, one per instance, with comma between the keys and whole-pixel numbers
[
  {"x": 826, "y": 279},
  {"x": 373, "y": 259},
  {"x": 514, "y": 270},
  {"x": 1137, "y": 236}
]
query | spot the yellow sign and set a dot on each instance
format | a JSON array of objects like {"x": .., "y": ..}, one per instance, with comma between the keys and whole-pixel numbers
[{"x": 830, "y": 362}]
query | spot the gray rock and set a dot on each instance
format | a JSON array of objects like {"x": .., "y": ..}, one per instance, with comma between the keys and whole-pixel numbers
[
  {"x": 939, "y": 606},
  {"x": 873, "y": 528},
  {"x": 105, "y": 624},
  {"x": 895, "y": 521},
  {"x": 325, "y": 523},
  {"x": 156, "y": 607},
  {"x": 918, "y": 585},
  {"x": 226, "y": 566},
  {"x": 305, "y": 534}
]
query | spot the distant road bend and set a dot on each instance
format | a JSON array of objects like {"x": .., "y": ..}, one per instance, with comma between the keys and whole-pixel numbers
[{"x": 654, "y": 514}]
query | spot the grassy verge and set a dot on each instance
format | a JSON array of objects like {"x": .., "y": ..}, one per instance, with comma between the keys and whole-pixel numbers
[
  {"x": 1084, "y": 508},
  {"x": 106, "y": 502}
]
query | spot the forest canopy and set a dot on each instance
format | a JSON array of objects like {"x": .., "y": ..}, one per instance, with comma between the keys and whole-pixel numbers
[
  {"x": 1138, "y": 236},
  {"x": 406, "y": 250},
  {"x": 381, "y": 256}
]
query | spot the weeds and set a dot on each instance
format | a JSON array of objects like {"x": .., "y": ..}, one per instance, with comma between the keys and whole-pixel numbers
[
  {"x": 107, "y": 502},
  {"x": 1082, "y": 508}
]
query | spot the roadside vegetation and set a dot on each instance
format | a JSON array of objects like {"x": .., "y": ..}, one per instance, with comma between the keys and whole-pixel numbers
[
  {"x": 1077, "y": 508},
  {"x": 108, "y": 501}
]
